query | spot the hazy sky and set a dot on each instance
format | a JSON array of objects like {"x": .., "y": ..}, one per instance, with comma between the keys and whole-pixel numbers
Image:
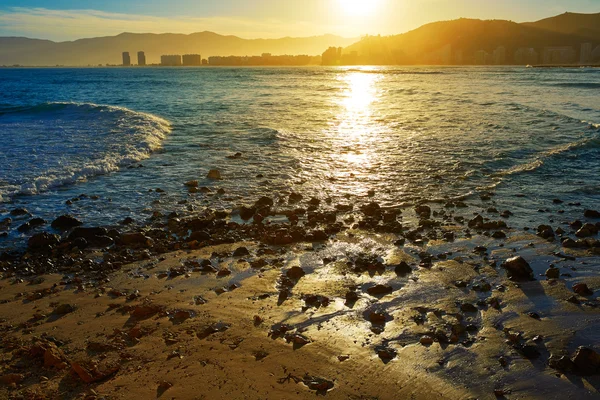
[{"x": 72, "y": 19}]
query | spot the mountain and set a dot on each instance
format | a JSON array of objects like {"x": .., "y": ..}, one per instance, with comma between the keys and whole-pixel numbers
[
  {"x": 585, "y": 25},
  {"x": 103, "y": 50},
  {"x": 459, "y": 41}
]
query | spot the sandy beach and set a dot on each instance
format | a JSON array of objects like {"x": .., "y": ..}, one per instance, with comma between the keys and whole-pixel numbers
[{"x": 305, "y": 300}]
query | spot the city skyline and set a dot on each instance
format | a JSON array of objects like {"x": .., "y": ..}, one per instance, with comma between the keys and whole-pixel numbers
[{"x": 258, "y": 19}]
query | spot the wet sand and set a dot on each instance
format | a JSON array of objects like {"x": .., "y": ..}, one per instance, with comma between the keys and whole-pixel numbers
[{"x": 346, "y": 304}]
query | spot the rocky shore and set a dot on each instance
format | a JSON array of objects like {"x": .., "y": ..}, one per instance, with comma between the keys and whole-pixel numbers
[{"x": 288, "y": 297}]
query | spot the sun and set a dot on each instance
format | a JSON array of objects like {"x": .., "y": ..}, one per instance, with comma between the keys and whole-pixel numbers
[{"x": 357, "y": 8}]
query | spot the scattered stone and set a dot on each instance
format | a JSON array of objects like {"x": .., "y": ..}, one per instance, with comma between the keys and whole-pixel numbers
[
  {"x": 591, "y": 214},
  {"x": 518, "y": 269},
  {"x": 295, "y": 273},
  {"x": 582, "y": 289},
  {"x": 241, "y": 252},
  {"x": 380, "y": 290},
  {"x": 586, "y": 361},
  {"x": 43, "y": 240},
  {"x": 214, "y": 174},
  {"x": 402, "y": 269},
  {"x": 64, "y": 309},
  {"x": 553, "y": 273},
  {"x": 66, "y": 222},
  {"x": 426, "y": 340}
]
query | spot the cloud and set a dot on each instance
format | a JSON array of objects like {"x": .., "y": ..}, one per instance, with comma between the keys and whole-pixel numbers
[{"x": 75, "y": 24}]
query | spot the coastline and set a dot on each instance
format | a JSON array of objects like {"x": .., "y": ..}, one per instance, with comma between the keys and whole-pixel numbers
[{"x": 304, "y": 297}]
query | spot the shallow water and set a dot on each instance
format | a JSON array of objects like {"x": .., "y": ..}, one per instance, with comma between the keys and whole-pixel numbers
[{"x": 408, "y": 133}]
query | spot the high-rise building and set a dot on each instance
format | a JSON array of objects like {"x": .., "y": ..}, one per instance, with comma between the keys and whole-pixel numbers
[
  {"x": 192, "y": 60},
  {"x": 141, "y": 58},
  {"x": 499, "y": 55},
  {"x": 170, "y": 61},
  {"x": 526, "y": 56},
  {"x": 126, "y": 59},
  {"x": 559, "y": 55},
  {"x": 586, "y": 53}
]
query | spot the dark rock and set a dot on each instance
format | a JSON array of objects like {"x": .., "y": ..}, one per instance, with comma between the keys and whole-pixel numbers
[
  {"x": 64, "y": 309},
  {"x": 264, "y": 202},
  {"x": 19, "y": 212},
  {"x": 552, "y": 273},
  {"x": 135, "y": 239},
  {"x": 582, "y": 289},
  {"x": 247, "y": 212},
  {"x": 402, "y": 269},
  {"x": 468, "y": 307},
  {"x": 379, "y": 290},
  {"x": 295, "y": 198},
  {"x": 371, "y": 209},
  {"x": 214, "y": 174},
  {"x": 295, "y": 273},
  {"x": 586, "y": 361},
  {"x": 499, "y": 235},
  {"x": 199, "y": 236},
  {"x": 423, "y": 211},
  {"x": 66, "y": 222},
  {"x": 560, "y": 363},
  {"x": 43, "y": 240},
  {"x": 518, "y": 269},
  {"x": 127, "y": 221},
  {"x": 241, "y": 252},
  {"x": 87, "y": 233},
  {"x": 31, "y": 224},
  {"x": 591, "y": 214},
  {"x": 587, "y": 230}
]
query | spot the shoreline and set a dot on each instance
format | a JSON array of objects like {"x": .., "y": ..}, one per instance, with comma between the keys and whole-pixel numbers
[{"x": 305, "y": 297}]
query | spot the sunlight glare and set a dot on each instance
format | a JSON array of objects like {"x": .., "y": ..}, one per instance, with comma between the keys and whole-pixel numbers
[{"x": 358, "y": 8}]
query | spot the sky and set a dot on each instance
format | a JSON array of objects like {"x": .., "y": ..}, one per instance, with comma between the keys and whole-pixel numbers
[{"x": 62, "y": 20}]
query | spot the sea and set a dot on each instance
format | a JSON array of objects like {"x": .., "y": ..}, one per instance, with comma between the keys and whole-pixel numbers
[{"x": 97, "y": 143}]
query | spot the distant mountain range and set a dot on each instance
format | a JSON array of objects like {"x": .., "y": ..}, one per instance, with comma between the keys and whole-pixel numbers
[
  {"x": 462, "y": 41},
  {"x": 107, "y": 50}
]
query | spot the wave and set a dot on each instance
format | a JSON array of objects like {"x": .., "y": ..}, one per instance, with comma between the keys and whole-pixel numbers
[
  {"x": 394, "y": 72},
  {"x": 579, "y": 85},
  {"x": 541, "y": 157},
  {"x": 55, "y": 144}
]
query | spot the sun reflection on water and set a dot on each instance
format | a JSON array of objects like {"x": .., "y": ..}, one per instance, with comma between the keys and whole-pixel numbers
[{"x": 356, "y": 130}]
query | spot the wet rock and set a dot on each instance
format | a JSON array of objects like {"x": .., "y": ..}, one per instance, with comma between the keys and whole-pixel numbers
[
  {"x": 11, "y": 379},
  {"x": 247, "y": 213},
  {"x": 385, "y": 353},
  {"x": 199, "y": 236},
  {"x": 586, "y": 361},
  {"x": 17, "y": 212},
  {"x": 377, "y": 318},
  {"x": 560, "y": 363},
  {"x": 591, "y": 214},
  {"x": 264, "y": 202},
  {"x": 402, "y": 269},
  {"x": 468, "y": 307},
  {"x": 518, "y": 269},
  {"x": 295, "y": 198},
  {"x": 5, "y": 224},
  {"x": 545, "y": 232},
  {"x": 587, "y": 230},
  {"x": 127, "y": 221},
  {"x": 214, "y": 174},
  {"x": 553, "y": 273},
  {"x": 380, "y": 290},
  {"x": 475, "y": 222},
  {"x": 66, "y": 222},
  {"x": 582, "y": 289},
  {"x": 224, "y": 272},
  {"x": 295, "y": 273},
  {"x": 88, "y": 234},
  {"x": 43, "y": 240},
  {"x": 241, "y": 252},
  {"x": 135, "y": 239},
  {"x": 426, "y": 340},
  {"x": 423, "y": 211},
  {"x": 351, "y": 297},
  {"x": 192, "y": 184},
  {"x": 527, "y": 350},
  {"x": 371, "y": 209},
  {"x": 499, "y": 235}
]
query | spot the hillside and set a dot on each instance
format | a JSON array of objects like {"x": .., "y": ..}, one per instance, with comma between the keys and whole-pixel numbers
[
  {"x": 457, "y": 41},
  {"x": 105, "y": 50},
  {"x": 586, "y": 25}
]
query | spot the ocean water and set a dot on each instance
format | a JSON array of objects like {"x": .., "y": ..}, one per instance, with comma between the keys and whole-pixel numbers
[{"x": 409, "y": 133}]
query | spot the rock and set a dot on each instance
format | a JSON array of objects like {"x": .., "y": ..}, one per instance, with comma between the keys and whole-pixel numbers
[
  {"x": 295, "y": 273},
  {"x": 499, "y": 235},
  {"x": 351, "y": 297},
  {"x": 247, "y": 212},
  {"x": 318, "y": 384},
  {"x": 199, "y": 236},
  {"x": 224, "y": 272},
  {"x": 423, "y": 211},
  {"x": 468, "y": 307},
  {"x": 591, "y": 214},
  {"x": 192, "y": 184},
  {"x": 560, "y": 363},
  {"x": 371, "y": 209},
  {"x": 54, "y": 357},
  {"x": 295, "y": 198},
  {"x": 402, "y": 269},
  {"x": 587, "y": 230},
  {"x": 66, "y": 222},
  {"x": 385, "y": 353},
  {"x": 11, "y": 379},
  {"x": 127, "y": 221},
  {"x": 586, "y": 361},
  {"x": 545, "y": 232},
  {"x": 518, "y": 269},
  {"x": 19, "y": 212},
  {"x": 214, "y": 174},
  {"x": 88, "y": 234},
  {"x": 5, "y": 224},
  {"x": 145, "y": 311},
  {"x": 64, "y": 309},
  {"x": 552, "y": 273},
  {"x": 264, "y": 202},
  {"x": 135, "y": 239},
  {"x": 582, "y": 289},
  {"x": 43, "y": 240},
  {"x": 379, "y": 290},
  {"x": 377, "y": 318},
  {"x": 475, "y": 222},
  {"x": 426, "y": 340},
  {"x": 241, "y": 252}
]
